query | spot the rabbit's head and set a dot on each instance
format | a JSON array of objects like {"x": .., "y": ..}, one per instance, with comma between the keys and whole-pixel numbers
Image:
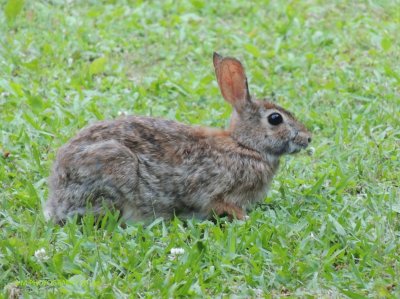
[{"x": 258, "y": 125}]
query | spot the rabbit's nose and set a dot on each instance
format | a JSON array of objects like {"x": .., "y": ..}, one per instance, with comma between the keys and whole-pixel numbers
[{"x": 302, "y": 138}]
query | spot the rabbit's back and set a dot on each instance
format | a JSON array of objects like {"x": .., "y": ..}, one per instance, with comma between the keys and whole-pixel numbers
[{"x": 149, "y": 167}]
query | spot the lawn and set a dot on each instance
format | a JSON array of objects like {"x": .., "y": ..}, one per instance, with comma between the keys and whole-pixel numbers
[{"x": 328, "y": 228}]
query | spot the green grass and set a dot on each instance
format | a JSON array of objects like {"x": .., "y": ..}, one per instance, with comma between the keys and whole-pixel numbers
[{"x": 330, "y": 225}]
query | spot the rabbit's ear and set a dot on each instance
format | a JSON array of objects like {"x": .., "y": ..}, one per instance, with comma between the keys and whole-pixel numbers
[{"x": 232, "y": 81}]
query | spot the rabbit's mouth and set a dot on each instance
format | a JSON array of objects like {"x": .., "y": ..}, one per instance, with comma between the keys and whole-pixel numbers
[
  {"x": 299, "y": 142},
  {"x": 295, "y": 148}
]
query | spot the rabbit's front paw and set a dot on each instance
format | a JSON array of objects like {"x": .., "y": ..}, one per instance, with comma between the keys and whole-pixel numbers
[{"x": 231, "y": 210}]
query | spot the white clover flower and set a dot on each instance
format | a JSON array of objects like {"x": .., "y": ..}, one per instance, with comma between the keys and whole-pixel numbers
[
  {"x": 175, "y": 252},
  {"x": 122, "y": 113},
  {"x": 311, "y": 151},
  {"x": 41, "y": 254}
]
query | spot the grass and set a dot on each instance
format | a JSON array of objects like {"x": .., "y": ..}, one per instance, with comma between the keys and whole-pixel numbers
[{"x": 330, "y": 225}]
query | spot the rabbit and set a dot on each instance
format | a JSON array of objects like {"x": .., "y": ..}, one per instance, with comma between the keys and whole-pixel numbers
[{"x": 148, "y": 167}]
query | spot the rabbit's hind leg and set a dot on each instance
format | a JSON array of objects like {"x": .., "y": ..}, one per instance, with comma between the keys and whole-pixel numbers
[{"x": 99, "y": 175}]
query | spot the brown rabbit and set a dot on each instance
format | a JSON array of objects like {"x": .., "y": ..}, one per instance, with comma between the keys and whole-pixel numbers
[{"x": 147, "y": 167}]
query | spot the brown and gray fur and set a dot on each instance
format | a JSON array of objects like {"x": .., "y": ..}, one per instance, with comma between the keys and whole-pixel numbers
[{"x": 148, "y": 167}]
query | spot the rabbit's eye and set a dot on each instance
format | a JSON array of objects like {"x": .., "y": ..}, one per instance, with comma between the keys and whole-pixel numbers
[{"x": 275, "y": 119}]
